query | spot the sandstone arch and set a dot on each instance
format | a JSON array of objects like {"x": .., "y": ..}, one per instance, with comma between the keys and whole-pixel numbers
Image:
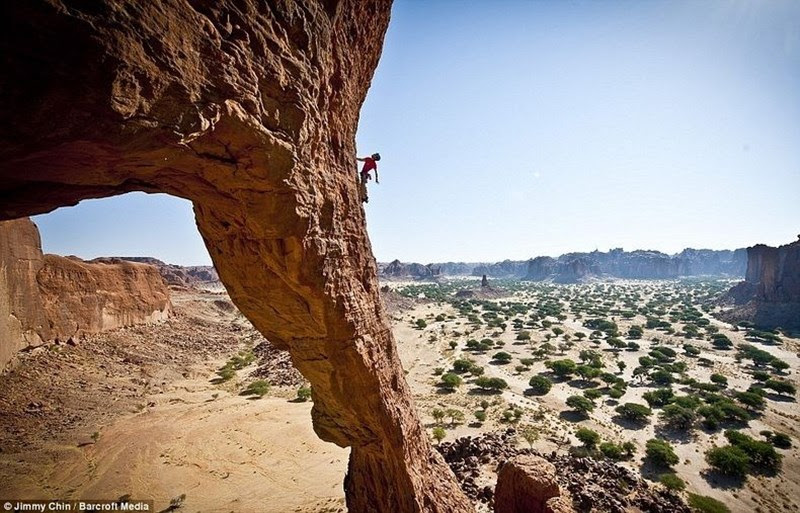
[{"x": 249, "y": 110}]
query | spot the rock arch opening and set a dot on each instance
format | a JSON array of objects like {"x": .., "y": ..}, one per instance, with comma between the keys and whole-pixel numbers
[{"x": 249, "y": 111}]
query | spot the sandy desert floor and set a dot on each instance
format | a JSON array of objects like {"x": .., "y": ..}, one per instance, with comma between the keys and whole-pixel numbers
[
  {"x": 427, "y": 351},
  {"x": 163, "y": 427}
]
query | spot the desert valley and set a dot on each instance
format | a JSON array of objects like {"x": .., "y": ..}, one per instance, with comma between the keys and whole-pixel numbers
[
  {"x": 574, "y": 286},
  {"x": 634, "y": 389}
]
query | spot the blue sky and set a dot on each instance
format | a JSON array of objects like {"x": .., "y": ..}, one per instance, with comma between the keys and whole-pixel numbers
[{"x": 512, "y": 129}]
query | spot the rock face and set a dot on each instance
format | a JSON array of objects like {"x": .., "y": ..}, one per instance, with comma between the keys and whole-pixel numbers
[
  {"x": 528, "y": 484},
  {"x": 770, "y": 294},
  {"x": 197, "y": 276},
  {"x": 249, "y": 110},
  {"x": 23, "y": 321},
  {"x": 81, "y": 298},
  {"x": 49, "y": 297},
  {"x": 641, "y": 265}
]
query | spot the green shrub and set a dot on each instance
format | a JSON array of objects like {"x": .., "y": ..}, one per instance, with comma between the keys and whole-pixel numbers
[
  {"x": 615, "y": 393},
  {"x": 611, "y": 451},
  {"x": 678, "y": 417},
  {"x": 672, "y": 482},
  {"x": 451, "y": 381},
  {"x": 780, "y": 386},
  {"x": 763, "y": 457},
  {"x": 719, "y": 379},
  {"x": 659, "y": 397},
  {"x": 633, "y": 411},
  {"x": 502, "y": 357},
  {"x": 258, "y": 388},
  {"x": 729, "y": 460},
  {"x": 540, "y": 385},
  {"x": 580, "y": 403},
  {"x": 592, "y": 394},
  {"x": 562, "y": 368},
  {"x": 303, "y": 394},
  {"x": 704, "y": 504},
  {"x": 487, "y": 383},
  {"x": 587, "y": 437},
  {"x": 226, "y": 373},
  {"x": 752, "y": 400},
  {"x": 463, "y": 365},
  {"x": 781, "y": 440},
  {"x": 661, "y": 452}
]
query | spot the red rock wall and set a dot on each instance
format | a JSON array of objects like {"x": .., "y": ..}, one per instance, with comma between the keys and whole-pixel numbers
[
  {"x": 23, "y": 321},
  {"x": 49, "y": 297},
  {"x": 81, "y": 298},
  {"x": 249, "y": 109}
]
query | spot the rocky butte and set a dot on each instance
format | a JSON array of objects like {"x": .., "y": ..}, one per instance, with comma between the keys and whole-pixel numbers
[
  {"x": 249, "y": 110},
  {"x": 770, "y": 294},
  {"x": 46, "y": 298}
]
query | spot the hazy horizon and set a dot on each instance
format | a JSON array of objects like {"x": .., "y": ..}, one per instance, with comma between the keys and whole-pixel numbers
[{"x": 519, "y": 129}]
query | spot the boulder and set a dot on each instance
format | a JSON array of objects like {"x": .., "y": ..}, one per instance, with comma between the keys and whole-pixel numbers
[{"x": 527, "y": 484}]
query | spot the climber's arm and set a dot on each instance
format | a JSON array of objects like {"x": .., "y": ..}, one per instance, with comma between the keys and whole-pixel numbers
[{"x": 376, "y": 175}]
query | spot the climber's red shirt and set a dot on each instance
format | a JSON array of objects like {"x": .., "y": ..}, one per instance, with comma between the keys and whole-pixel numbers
[{"x": 369, "y": 165}]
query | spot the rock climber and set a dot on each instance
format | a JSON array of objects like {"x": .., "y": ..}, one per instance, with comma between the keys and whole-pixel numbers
[{"x": 370, "y": 163}]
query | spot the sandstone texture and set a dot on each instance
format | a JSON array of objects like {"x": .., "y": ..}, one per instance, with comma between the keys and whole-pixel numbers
[
  {"x": 45, "y": 298},
  {"x": 203, "y": 277},
  {"x": 249, "y": 110},
  {"x": 81, "y": 297},
  {"x": 23, "y": 321},
  {"x": 770, "y": 294},
  {"x": 528, "y": 484}
]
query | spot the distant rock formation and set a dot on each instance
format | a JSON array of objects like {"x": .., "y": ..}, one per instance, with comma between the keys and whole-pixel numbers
[
  {"x": 641, "y": 265},
  {"x": 770, "y": 294},
  {"x": 577, "y": 267},
  {"x": 397, "y": 269},
  {"x": 504, "y": 269},
  {"x": 203, "y": 277},
  {"x": 49, "y": 297}
]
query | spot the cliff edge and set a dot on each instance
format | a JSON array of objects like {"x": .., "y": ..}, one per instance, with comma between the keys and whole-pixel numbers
[{"x": 770, "y": 295}]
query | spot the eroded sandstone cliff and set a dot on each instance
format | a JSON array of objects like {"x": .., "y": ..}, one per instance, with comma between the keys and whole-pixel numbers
[
  {"x": 248, "y": 109},
  {"x": 23, "y": 321},
  {"x": 770, "y": 294},
  {"x": 50, "y": 297}
]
